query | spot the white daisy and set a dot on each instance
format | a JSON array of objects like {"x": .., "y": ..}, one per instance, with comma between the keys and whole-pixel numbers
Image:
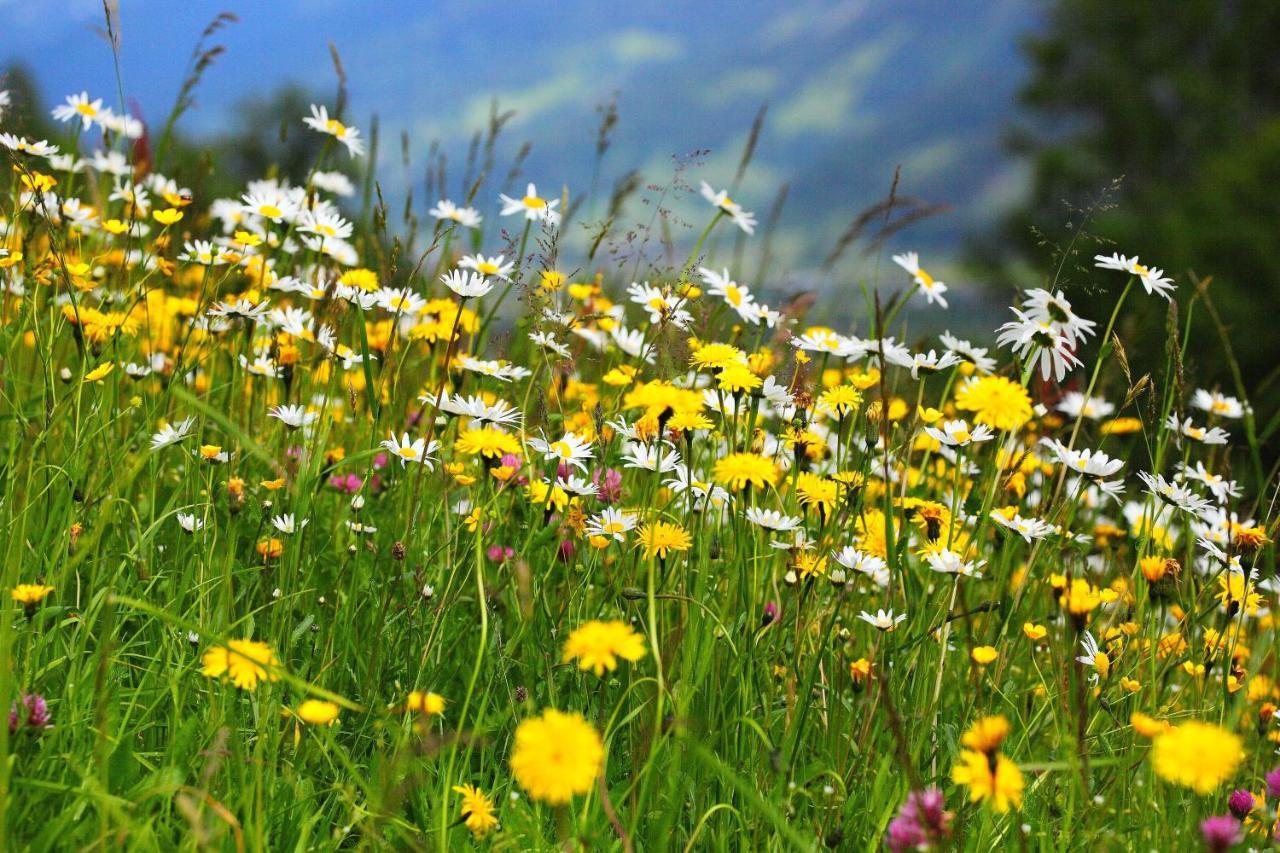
[{"x": 533, "y": 206}]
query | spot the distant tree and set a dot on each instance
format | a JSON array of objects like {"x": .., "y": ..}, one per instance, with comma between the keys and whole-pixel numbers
[
  {"x": 270, "y": 135},
  {"x": 1178, "y": 101},
  {"x": 267, "y": 139},
  {"x": 26, "y": 114}
]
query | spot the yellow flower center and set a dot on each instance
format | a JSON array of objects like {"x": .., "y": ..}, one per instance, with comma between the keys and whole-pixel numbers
[
  {"x": 532, "y": 201},
  {"x": 335, "y": 127},
  {"x": 270, "y": 211}
]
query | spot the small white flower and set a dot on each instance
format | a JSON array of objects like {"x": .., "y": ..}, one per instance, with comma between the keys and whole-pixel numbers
[
  {"x": 611, "y": 522},
  {"x": 349, "y": 136},
  {"x": 958, "y": 433},
  {"x": 931, "y": 288},
  {"x": 287, "y": 525},
  {"x": 172, "y": 433},
  {"x": 571, "y": 449},
  {"x": 950, "y": 563},
  {"x": 468, "y": 217},
  {"x": 772, "y": 519},
  {"x": 293, "y": 416},
  {"x": 1217, "y": 403},
  {"x": 532, "y": 206},
  {"x": 495, "y": 267},
  {"x": 189, "y": 522},
  {"x": 416, "y": 450},
  {"x": 1153, "y": 280},
  {"x": 468, "y": 285},
  {"x": 883, "y": 619},
  {"x": 743, "y": 219}
]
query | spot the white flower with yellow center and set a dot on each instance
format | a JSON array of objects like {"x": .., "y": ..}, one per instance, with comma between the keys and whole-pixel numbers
[
  {"x": 415, "y": 450},
  {"x": 959, "y": 434},
  {"x": 79, "y": 107},
  {"x": 885, "y": 620},
  {"x": 533, "y": 206},
  {"x": 742, "y": 218},
  {"x": 495, "y": 267},
  {"x": 1153, "y": 280},
  {"x": 468, "y": 217},
  {"x": 350, "y": 137},
  {"x": 611, "y": 523},
  {"x": 274, "y": 206},
  {"x": 1217, "y": 403},
  {"x": 931, "y": 287},
  {"x": 571, "y": 449}
]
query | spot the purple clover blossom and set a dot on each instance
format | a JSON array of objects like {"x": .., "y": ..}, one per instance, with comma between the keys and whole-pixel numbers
[
  {"x": 922, "y": 822},
  {"x": 36, "y": 713},
  {"x": 349, "y": 483},
  {"x": 1221, "y": 832},
  {"x": 610, "y": 485},
  {"x": 905, "y": 835},
  {"x": 1240, "y": 803},
  {"x": 770, "y": 614},
  {"x": 1273, "y": 783}
]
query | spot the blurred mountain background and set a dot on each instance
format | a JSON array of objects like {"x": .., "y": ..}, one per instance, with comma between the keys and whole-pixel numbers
[
  {"x": 854, "y": 90},
  {"x": 1027, "y": 129}
]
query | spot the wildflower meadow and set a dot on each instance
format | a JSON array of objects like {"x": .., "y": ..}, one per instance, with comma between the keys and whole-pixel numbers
[{"x": 330, "y": 527}]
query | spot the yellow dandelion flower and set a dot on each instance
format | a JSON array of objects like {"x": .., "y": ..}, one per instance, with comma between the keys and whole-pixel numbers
[
  {"x": 556, "y": 756},
  {"x": 1197, "y": 755},
  {"x": 996, "y": 781},
  {"x": 425, "y": 702},
  {"x": 1148, "y": 726},
  {"x": 317, "y": 712},
  {"x": 30, "y": 594},
  {"x": 478, "y": 813},
  {"x": 597, "y": 645},
  {"x": 995, "y": 401},
  {"x": 738, "y": 470},
  {"x": 100, "y": 372},
  {"x": 986, "y": 734},
  {"x": 243, "y": 662},
  {"x": 660, "y": 538}
]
